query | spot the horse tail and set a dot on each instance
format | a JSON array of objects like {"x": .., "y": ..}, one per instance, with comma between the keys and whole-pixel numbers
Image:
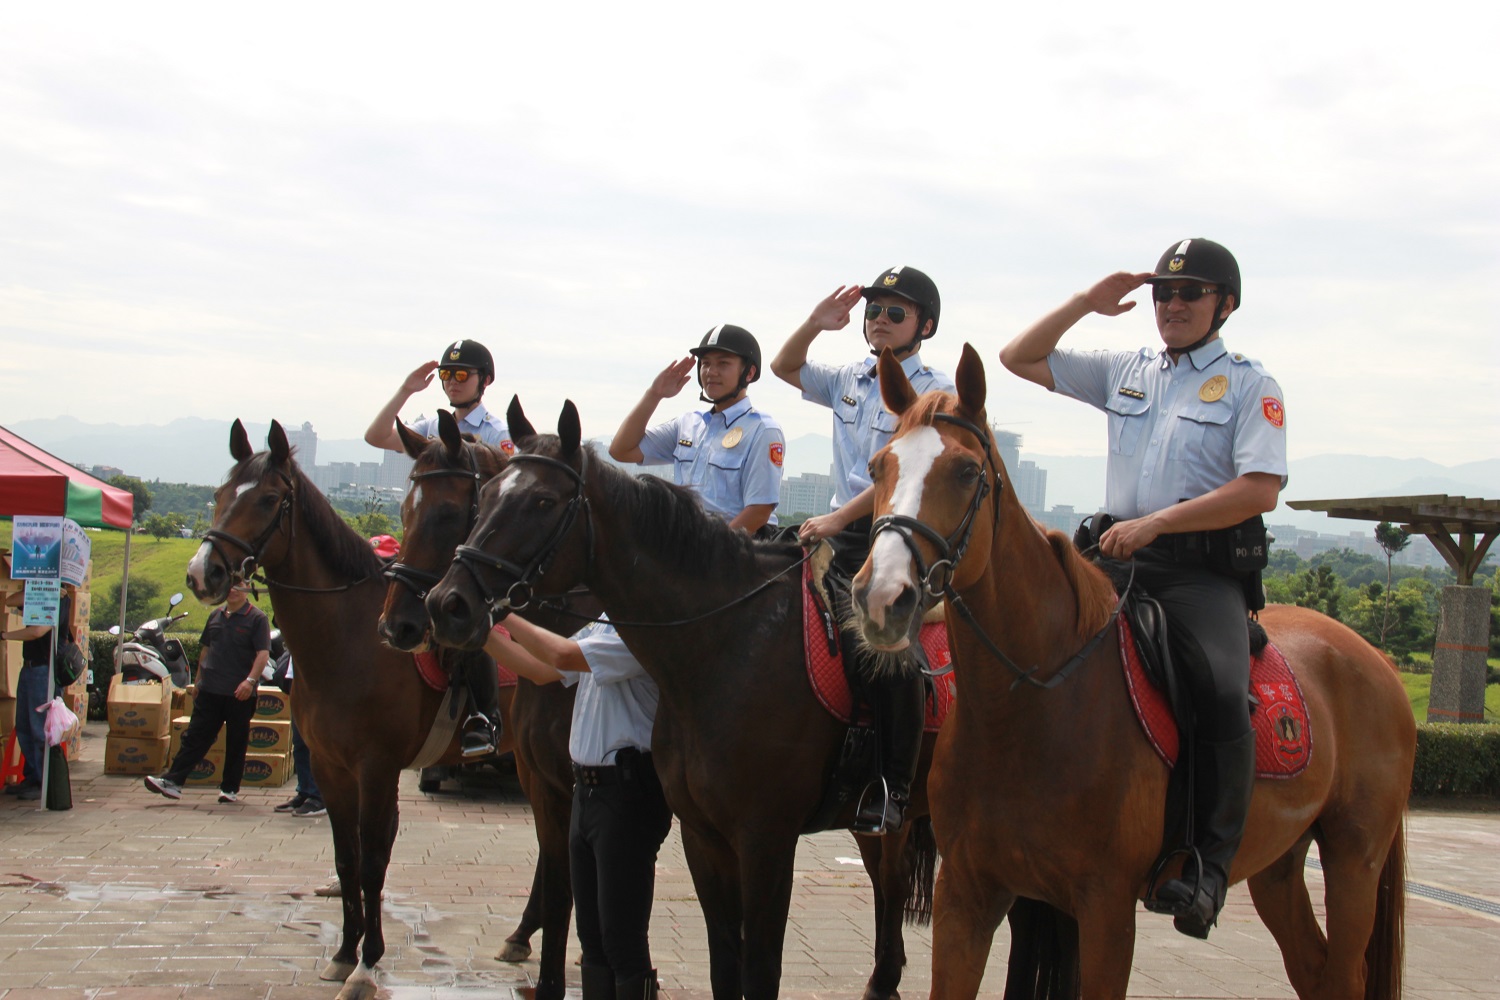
[
  {"x": 1387, "y": 948},
  {"x": 921, "y": 855},
  {"x": 1043, "y": 953}
]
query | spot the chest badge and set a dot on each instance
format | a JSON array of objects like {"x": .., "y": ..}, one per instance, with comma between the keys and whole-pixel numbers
[
  {"x": 684, "y": 442},
  {"x": 735, "y": 435},
  {"x": 1213, "y": 390},
  {"x": 1132, "y": 393},
  {"x": 849, "y": 401}
]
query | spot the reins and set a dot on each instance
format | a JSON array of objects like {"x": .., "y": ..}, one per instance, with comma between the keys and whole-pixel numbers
[
  {"x": 951, "y": 551},
  {"x": 419, "y": 581},
  {"x": 521, "y": 593}
]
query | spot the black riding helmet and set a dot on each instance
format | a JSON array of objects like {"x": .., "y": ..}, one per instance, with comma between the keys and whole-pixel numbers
[
  {"x": 916, "y": 287},
  {"x": 468, "y": 354},
  {"x": 734, "y": 340},
  {"x": 1197, "y": 259}
]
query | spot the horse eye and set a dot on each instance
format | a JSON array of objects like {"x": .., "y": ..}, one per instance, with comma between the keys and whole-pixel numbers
[
  {"x": 545, "y": 503},
  {"x": 969, "y": 473}
]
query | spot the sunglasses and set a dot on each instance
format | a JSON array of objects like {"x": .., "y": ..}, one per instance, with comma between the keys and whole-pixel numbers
[
  {"x": 896, "y": 313},
  {"x": 459, "y": 375},
  {"x": 1188, "y": 293}
]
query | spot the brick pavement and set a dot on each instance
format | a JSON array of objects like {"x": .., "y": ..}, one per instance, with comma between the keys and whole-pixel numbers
[{"x": 130, "y": 897}]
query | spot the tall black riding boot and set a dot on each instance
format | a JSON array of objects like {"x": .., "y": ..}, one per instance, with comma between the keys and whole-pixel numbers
[
  {"x": 641, "y": 987},
  {"x": 598, "y": 982},
  {"x": 1224, "y": 777},
  {"x": 901, "y": 706},
  {"x": 482, "y": 729}
]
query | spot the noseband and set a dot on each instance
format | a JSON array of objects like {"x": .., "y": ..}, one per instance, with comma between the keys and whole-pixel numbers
[
  {"x": 521, "y": 592},
  {"x": 419, "y": 581},
  {"x": 254, "y": 550},
  {"x": 936, "y": 579}
]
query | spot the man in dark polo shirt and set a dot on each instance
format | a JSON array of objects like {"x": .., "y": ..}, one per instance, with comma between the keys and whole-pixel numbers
[{"x": 236, "y": 644}]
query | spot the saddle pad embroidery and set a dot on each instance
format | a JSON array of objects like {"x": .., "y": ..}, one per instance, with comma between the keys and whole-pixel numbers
[
  {"x": 1283, "y": 734},
  {"x": 430, "y": 668},
  {"x": 825, "y": 671}
]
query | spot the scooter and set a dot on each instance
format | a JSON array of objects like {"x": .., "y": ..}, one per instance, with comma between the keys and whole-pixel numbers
[{"x": 152, "y": 655}]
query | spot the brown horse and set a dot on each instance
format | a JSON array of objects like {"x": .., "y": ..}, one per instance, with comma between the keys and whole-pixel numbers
[
  {"x": 436, "y": 516},
  {"x": 742, "y": 745},
  {"x": 1055, "y": 793},
  {"x": 362, "y": 708}
]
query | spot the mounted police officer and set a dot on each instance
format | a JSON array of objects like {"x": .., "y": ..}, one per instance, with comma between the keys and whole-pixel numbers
[
  {"x": 901, "y": 311},
  {"x": 465, "y": 369},
  {"x": 1197, "y": 453},
  {"x": 731, "y": 454}
]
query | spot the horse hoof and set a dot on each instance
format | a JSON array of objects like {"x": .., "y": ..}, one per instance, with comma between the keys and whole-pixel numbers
[
  {"x": 514, "y": 951},
  {"x": 360, "y": 985},
  {"x": 337, "y": 972}
]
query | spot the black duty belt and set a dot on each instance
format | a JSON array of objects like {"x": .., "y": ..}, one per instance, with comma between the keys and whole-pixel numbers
[{"x": 595, "y": 775}]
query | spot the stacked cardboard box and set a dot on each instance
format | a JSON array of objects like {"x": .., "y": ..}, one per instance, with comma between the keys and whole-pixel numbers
[
  {"x": 139, "y": 728},
  {"x": 269, "y": 761}
]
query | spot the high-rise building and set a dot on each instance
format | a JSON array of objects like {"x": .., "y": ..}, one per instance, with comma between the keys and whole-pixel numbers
[
  {"x": 804, "y": 495},
  {"x": 305, "y": 441}
]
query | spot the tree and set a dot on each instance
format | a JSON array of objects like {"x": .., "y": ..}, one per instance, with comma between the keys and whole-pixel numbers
[
  {"x": 139, "y": 490},
  {"x": 161, "y": 526},
  {"x": 1317, "y": 588},
  {"x": 1411, "y": 623},
  {"x": 1391, "y": 540},
  {"x": 140, "y": 604}
]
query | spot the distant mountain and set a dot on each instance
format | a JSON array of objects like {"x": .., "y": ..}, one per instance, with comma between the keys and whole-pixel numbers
[{"x": 193, "y": 450}]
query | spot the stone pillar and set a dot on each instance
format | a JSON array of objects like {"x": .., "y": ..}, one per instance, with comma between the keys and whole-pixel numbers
[{"x": 1458, "y": 658}]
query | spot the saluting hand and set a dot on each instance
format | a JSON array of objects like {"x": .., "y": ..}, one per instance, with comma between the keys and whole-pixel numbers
[
  {"x": 673, "y": 377},
  {"x": 419, "y": 379},
  {"x": 1106, "y": 297},
  {"x": 833, "y": 312}
]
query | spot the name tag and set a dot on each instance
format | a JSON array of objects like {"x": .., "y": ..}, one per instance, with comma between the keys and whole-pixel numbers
[{"x": 1132, "y": 393}]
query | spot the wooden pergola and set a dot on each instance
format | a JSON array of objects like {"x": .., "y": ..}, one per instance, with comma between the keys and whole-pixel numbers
[{"x": 1462, "y": 529}]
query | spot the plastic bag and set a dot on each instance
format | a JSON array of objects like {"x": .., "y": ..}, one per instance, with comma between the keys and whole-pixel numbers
[{"x": 61, "y": 724}]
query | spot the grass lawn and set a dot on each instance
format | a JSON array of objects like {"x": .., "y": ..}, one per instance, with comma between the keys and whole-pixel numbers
[{"x": 1419, "y": 691}]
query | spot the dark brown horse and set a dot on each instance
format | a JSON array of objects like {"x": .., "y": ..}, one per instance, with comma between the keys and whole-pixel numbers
[
  {"x": 436, "y": 516},
  {"x": 362, "y": 708},
  {"x": 1070, "y": 808},
  {"x": 741, "y": 743}
]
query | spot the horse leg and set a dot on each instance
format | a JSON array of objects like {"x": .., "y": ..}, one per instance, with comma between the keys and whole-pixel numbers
[
  {"x": 1279, "y": 892},
  {"x": 343, "y": 821},
  {"x": 1360, "y": 867},
  {"x": 552, "y": 807},
  {"x": 768, "y": 867},
  {"x": 1106, "y": 943},
  {"x": 965, "y": 912},
  {"x": 378, "y": 822},
  {"x": 717, "y": 881},
  {"x": 517, "y": 946},
  {"x": 890, "y": 873}
]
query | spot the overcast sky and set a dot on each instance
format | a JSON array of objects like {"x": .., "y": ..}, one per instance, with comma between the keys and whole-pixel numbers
[{"x": 278, "y": 210}]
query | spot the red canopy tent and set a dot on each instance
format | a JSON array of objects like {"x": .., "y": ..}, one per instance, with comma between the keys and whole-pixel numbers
[{"x": 35, "y": 482}]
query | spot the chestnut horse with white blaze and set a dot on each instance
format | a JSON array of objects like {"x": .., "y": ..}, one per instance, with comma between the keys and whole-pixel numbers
[{"x": 1054, "y": 792}]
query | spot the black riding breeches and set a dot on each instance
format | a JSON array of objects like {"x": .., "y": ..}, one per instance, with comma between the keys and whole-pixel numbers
[{"x": 1209, "y": 638}]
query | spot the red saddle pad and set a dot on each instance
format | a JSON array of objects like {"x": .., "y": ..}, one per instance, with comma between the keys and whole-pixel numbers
[
  {"x": 1283, "y": 734},
  {"x": 431, "y": 669}
]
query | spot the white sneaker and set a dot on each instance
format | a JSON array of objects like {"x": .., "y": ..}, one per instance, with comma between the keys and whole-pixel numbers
[
  {"x": 229, "y": 796},
  {"x": 164, "y": 786}
]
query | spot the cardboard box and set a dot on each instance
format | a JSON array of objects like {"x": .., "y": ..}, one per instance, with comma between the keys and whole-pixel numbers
[
  {"x": 206, "y": 772},
  {"x": 135, "y": 755},
  {"x": 140, "y": 710},
  {"x": 272, "y": 703},
  {"x": 268, "y": 737},
  {"x": 7, "y": 716},
  {"x": 266, "y": 770}
]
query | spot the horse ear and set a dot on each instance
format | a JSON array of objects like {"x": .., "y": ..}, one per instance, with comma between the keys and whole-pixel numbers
[
  {"x": 412, "y": 442},
  {"x": 239, "y": 442},
  {"x": 276, "y": 440},
  {"x": 970, "y": 382},
  {"x": 895, "y": 387},
  {"x": 515, "y": 420},
  {"x": 569, "y": 429},
  {"x": 452, "y": 437}
]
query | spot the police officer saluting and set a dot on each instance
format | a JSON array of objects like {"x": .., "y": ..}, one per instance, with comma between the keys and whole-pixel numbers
[
  {"x": 465, "y": 370},
  {"x": 1197, "y": 453},
  {"x": 732, "y": 454},
  {"x": 901, "y": 311}
]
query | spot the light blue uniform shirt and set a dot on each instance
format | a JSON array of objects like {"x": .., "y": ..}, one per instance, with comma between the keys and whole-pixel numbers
[
  {"x": 861, "y": 423},
  {"x": 616, "y": 703},
  {"x": 480, "y": 422},
  {"x": 727, "y": 478},
  {"x": 1177, "y": 431}
]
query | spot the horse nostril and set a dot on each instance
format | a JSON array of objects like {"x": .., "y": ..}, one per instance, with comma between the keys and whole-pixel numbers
[
  {"x": 454, "y": 606},
  {"x": 904, "y": 604}
]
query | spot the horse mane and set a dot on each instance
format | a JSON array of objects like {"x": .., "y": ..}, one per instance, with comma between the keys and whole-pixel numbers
[
  {"x": 345, "y": 551},
  {"x": 1093, "y": 590}
]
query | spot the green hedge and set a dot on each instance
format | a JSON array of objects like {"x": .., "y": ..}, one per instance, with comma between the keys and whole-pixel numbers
[{"x": 1457, "y": 759}]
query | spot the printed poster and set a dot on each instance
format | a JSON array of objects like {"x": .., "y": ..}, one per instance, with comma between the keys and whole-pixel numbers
[
  {"x": 36, "y": 547},
  {"x": 43, "y": 598}
]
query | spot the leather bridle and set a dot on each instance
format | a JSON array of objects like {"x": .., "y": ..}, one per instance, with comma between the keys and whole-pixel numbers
[
  {"x": 256, "y": 549},
  {"x": 419, "y": 581}
]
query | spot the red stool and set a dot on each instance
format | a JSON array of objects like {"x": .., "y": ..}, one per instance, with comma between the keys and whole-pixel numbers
[{"x": 12, "y": 773}]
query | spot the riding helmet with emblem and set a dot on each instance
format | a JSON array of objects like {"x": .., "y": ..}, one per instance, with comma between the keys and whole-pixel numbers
[
  {"x": 1202, "y": 260},
  {"x": 468, "y": 354},
  {"x": 914, "y": 286},
  {"x": 732, "y": 340}
]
